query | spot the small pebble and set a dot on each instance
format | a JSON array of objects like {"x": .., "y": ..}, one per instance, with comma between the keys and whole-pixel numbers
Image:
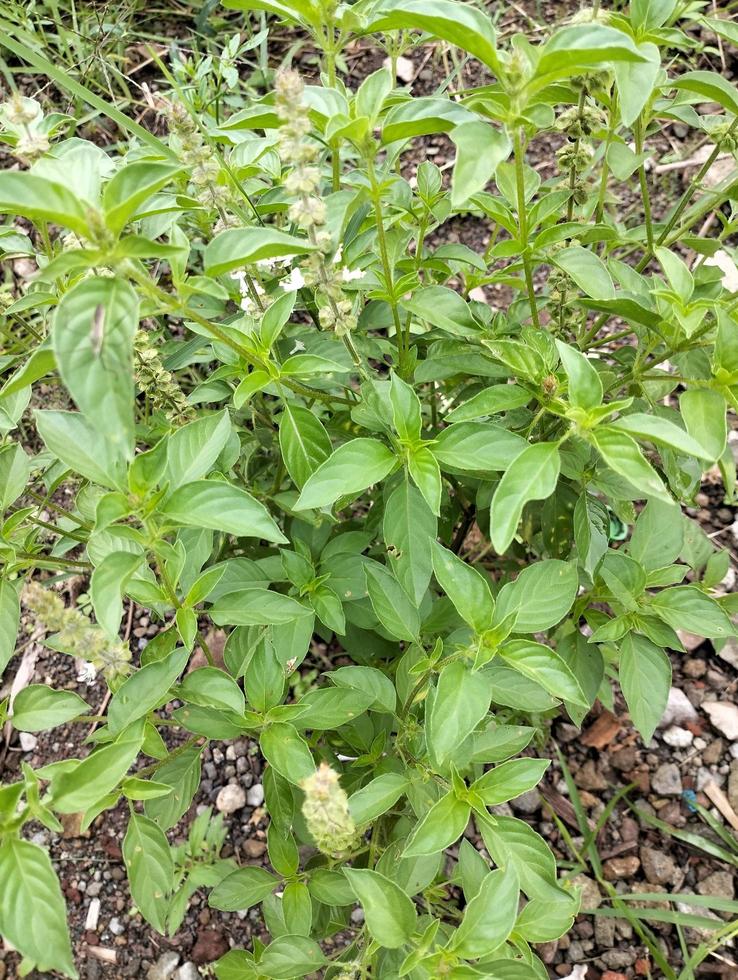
[
  {"x": 255, "y": 795},
  {"x": 231, "y": 798},
  {"x": 678, "y": 738}
]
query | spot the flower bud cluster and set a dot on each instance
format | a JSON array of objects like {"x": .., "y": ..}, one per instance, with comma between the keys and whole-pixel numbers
[
  {"x": 580, "y": 121},
  {"x": 197, "y": 156},
  {"x": 326, "y": 812},
  {"x": 77, "y": 635},
  {"x": 24, "y": 116},
  {"x": 308, "y": 212},
  {"x": 158, "y": 384}
]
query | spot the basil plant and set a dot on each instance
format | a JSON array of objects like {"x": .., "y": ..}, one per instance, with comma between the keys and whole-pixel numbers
[{"x": 253, "y": 385}]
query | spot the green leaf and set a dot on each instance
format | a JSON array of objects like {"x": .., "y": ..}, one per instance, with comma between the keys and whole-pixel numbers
[
  {"x": 70, "y": 437},
  {"x": 621, "y": 453},
  {"x": 461, "y": 701},
  {"x": 303, "y": 442},
  {"x": 182, "y": 773},
  {"x": 542, "y": 594},
  {"x": 256, "y": 607},
  {"x": 9, "y": 619},
  {"x": 468, "y": 589},
  {"x": 369, "y": 680},
  {"x": 544, "y": 666},
  {"x": 41, "y": 200},
  {"x": 287, "y": 751},
  {"x": 662, "y": 432},
  {"x": 92, "y": 337},
  {"x": 38, "y": 707},
  {"x": 242, "y": 889},
  {"x": 509, "y": 780},
  {"x": 394, "y": 608},
  {"x": 193, "y": 449},
  {"x": 409, "y": 528},
  {"x": 585, "y": 386},
  {"x": 31, "y": 894},
  {"x": 489, "y": 917},
  {"x": 480, "y": 148},
  {"x": 591, "y": 531},
  {"x": 512, "y": 843},
  {"x": 658, "y": 536},
  {"x": 107, "y": 585},
  {"x": 645, "y": 679},
  {"x": 687, "y": 608},
  {"x": 532, "y": 475},
  {"x": 442, "y": 825},
  {"x": 291, "y": 956},
  {"x": 211, "y": 687},
  {"x": 144, "y": 690},
  {"x": 15, "y": 468},
  {"x": 712, "y": 86},
  {"x": 374, "y": 799},
  {"x": 425, "y": 473},
  {"x": 704, "y": 414},
  {"x": 237, "y": 247},
  {"x": 574, "y": 49},
  {"x": 442, "y": 307},
  {"x": 389, "y": 914},
  {"x": 90, "y": 780},
  {"x": 636, "y": 81},
  {"x": 150, "y": 868},
  {"x": 477, "y": 446},
  {"x": 460, "y": 24},
  {"x": 587, "y": 270},
  {"x": 351, "y": 468},
  {"x": 421, "y": 116},
  {"x": 490, "y": 401},
  {"x": 134, "y": 183},
  {"x": 221, "y": 507}
]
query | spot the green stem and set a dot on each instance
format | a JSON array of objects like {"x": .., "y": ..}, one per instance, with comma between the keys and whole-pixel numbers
[
  {"x": 403, "y": 343},
  {"x": 523, "y": 222},
  {"x": 645, "y": 194}
]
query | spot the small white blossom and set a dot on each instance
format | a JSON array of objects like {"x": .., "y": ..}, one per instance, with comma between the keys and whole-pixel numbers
[
  {"x": 294, "y": 281},
  {"x": 348, "y": 275},
  {"x": 299, "y": 346}
]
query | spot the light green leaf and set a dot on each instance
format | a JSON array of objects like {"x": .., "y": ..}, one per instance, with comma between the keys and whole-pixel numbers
[
  {"x": 70, "y": 437},
  {"x": 221, "y": 507},
  {"x": 40, "y": 200},
  {"x": 390, "y": 915},
  {"x": 150, "y": 868},
  {"x": 645, "y": 679},
  {"x": 9, "y": 619},
  {"x": 31, "y": 894},
  {"x": 544, "y": 666},
  {"x": 237, "y": 247},
  {"x": 489, "y": 917},
  {"x": 704, "y": 414},
  {"x": 38, "y": 707},
  {"x": 287, "y": 751},
  {"x": 193, "y": 449},
  {"x": 131, "y": 186},
  {"x": 374, "y": 799},
  {"x": 351, "y": 468},
  {"x": 621, "y": 453},
  {"x": 687, "y": 608},
  {"x": 256, "y": 607},
  {"x": 15, "y": 468},
  {"x": 461, "y": 701},
  {"x": 242, "y": 889},
  {"x": 509, "y": 780},
  {"x": 92, "y": 337},
  {"x": 409, "y": 528},
  {"x": 542, "y": 594},
  {"x": 144, "y": 690},
  {"x": 107, "y": 585},
  {"x": 442, "y": 825},
  {"x": 585, "y": 386},
  {"x": 303, "y": 442},
  {"x": 712, "y": 86},
  {"x": 468, "y": 589},
  {"x": 480, "y": 148},
  {"x": 587, "y": 270},
  {"x": 532, "y": 475},
  {"x": 394, "y": 608}
]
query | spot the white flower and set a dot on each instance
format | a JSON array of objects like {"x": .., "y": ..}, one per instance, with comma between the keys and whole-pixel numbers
[
  {"x": 87, "y": 673},
  {"x": 337, "y": 257},
  {"x": 348, "y": 275},
  {"x": 294, "y": 281},
  {"x": 299, "y": 346}
]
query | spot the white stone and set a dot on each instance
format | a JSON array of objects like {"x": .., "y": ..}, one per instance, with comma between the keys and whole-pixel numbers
[
  {"x": 723, "y": 716},
  {"x": 93, "y": 915},
  {"x": 28, "y": 742},
  {"x": 188, "y": 971},
  {"x": 403, "y": 66},
  {"x": 255, "y": 795},
  {"x": 230, "y": 798},
  {"x": 579, "y": 972},
  {"x": 678, "y": 709},
  {"x": 729, "y": 652},
  {"x": 678, "y": 738}
]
